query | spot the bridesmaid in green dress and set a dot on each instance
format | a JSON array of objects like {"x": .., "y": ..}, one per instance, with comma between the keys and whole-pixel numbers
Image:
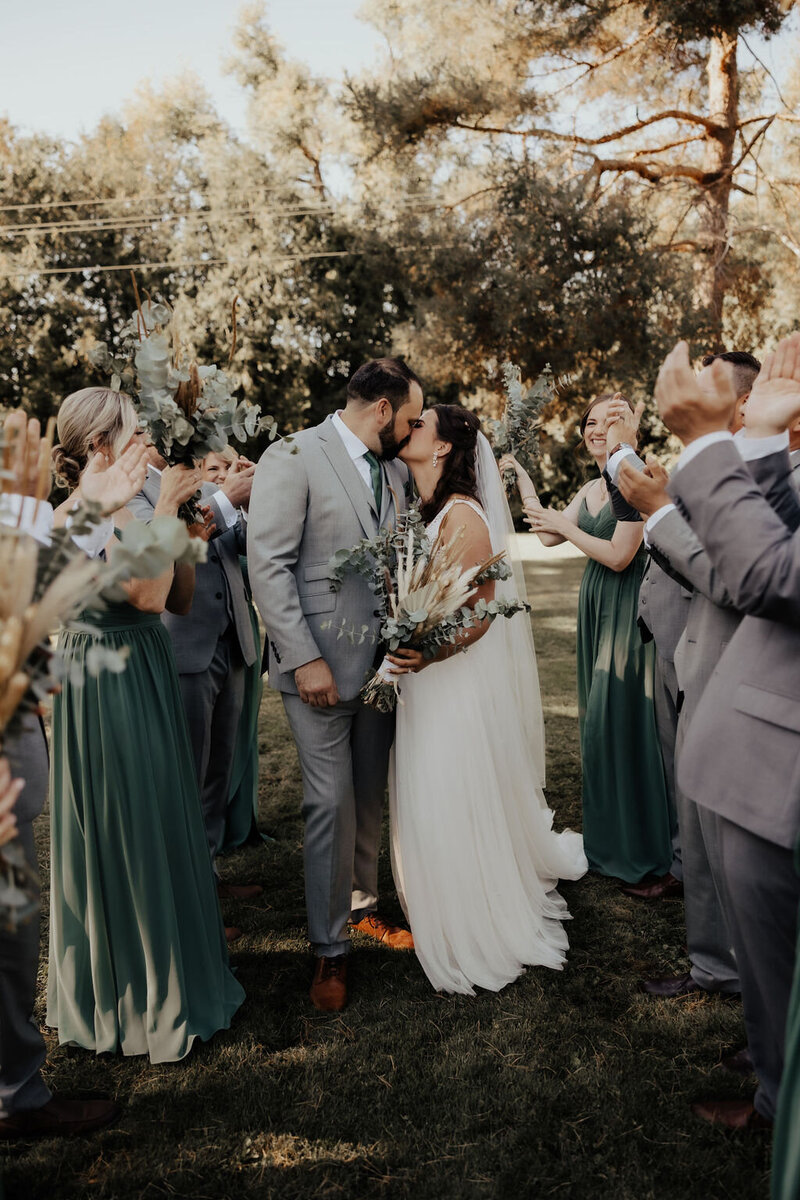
[
  {"x": 786, "y": 1150},
  {"x": 138, "y": 957},
  {"x": 626, "y": 823}
]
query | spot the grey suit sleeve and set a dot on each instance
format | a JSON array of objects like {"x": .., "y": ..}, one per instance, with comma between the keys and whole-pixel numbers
[
  {"x": 773, "y": 474},
  {"x": 274, "y": 535},
  {"x": 756, "y": 553},
  {"x": 141, "y": 508},
  {"x": 682, "y": 555},
  {"x": 235, "y": 535}
]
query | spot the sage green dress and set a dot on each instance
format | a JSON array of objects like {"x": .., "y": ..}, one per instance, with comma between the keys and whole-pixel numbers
[
  {"x": 786, "y": 1148},
  {"x": 138, "y": 957},
  {"x": 626, "y": 823},
  {"x": 241, "y": 814}
]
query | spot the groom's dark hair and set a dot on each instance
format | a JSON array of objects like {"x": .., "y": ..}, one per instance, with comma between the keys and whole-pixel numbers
[{"x": 381, "y": 377}]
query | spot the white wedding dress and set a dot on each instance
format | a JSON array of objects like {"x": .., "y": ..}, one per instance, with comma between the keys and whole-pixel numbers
[{"x": 474, "y": 855}]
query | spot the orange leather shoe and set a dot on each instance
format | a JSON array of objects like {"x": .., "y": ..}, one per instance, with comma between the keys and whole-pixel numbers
[
  {"x": 393, "y": 936},
  {"x": 734, "y": 1114},
  {"x": 329, "y": 986}
]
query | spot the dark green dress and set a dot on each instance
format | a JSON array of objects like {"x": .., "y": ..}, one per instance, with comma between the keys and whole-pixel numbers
[
  {"x": 786, "y": 1148},
  {"x": 138, "y": 958},
  {"x": 242, "y": 811},
  {"x": 626, "y": 824}
]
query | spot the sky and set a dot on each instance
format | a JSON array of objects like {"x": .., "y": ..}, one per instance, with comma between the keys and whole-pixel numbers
[{"x": 68, "y": 62}]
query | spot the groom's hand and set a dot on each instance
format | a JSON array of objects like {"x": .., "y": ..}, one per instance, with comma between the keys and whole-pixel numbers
[{"x": 316, "y": 684}]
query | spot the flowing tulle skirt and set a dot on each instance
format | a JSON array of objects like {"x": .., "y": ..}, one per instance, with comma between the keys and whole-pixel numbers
[
  {"x": 138, "y": 958},
  {"x": 474, "y": 854}
]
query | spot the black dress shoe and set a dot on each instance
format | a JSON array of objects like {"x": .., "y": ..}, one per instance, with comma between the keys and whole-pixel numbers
[
  {"x": 59, "y": 1118},
  {"x": 672, "y": 987},
  {"x": 665, "y": 888},
  {"x": 741, "y": 1063}
]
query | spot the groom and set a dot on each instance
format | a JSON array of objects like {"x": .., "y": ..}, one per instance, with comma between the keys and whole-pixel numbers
[{"x": 331, "y": 487}]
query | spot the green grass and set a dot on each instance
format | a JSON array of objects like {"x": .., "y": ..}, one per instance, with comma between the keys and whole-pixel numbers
[{"x": 565, "y": 1084}]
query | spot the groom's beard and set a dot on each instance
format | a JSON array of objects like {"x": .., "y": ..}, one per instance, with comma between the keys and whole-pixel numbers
[{"x": 390, "y": 447}]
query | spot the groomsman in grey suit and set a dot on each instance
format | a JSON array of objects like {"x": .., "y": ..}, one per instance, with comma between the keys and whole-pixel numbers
[
  {"x": 333, "y": 486},
  {"x": 743, "y": 747},
  {"x": 213, "y": 643}
]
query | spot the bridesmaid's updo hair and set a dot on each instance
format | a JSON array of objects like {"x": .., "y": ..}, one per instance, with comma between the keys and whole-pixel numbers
[
  {"x": 460, "y": 428},
  {"x": 88, "y": 420},
  {"x": 601, "y": 399}
]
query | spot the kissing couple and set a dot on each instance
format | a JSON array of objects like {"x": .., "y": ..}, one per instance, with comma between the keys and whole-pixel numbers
[{"x": 474, "y": 855}]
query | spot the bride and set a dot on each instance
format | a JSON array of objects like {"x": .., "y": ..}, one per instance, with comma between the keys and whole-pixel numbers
[{"x": 474, "y": 855}]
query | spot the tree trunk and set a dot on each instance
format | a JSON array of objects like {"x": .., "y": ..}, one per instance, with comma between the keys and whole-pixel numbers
[{"x": 723, "y": 109}]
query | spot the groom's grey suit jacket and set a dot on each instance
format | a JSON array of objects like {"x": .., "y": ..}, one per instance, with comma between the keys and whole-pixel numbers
[
  {"x": 741, "y": 757},
  {"x": 220, "y": 598},
  {"x": 309, "y": 501}
]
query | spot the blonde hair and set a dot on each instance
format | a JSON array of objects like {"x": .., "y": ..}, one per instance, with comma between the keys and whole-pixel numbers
[
  {"x": 88, "y": 419},
  {"x": 227, "y": 453}
]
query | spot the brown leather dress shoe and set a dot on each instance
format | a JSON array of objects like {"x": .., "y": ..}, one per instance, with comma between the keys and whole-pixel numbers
[
  {"x": 393, "y": 936},
  {"x": 60, "y": 1118},
  {"x": 733, "y": 1114},
  {"x": 665, "y": 888},
  {"x": 232, "y": 933},
  {"x": 238, "y": 891},
  {"x": 329, "y": 986},
  {"x": 672, "y": 987}
]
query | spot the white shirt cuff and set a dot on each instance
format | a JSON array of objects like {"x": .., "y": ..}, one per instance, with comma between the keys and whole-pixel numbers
[
  {"x": 614, "y": 463},
  {"x": 654, "y": 518},
  {"x": 759, "y": 447},
  {"x": 95, "y": 541},
  {"x": 229, "y": 514},
  {"x": 35, "y": 520},
  {"x": 697, "y": 447}
]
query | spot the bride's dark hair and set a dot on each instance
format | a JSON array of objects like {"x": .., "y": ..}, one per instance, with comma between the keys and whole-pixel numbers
[{"x": 460, "y": 428}]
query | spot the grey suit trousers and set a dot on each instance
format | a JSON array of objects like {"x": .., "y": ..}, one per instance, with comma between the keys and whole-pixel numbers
[
  {"x": 22, "y": 1048},
  {"x": 708, "y": 936},
  {"x": 665, "y": 702},
  {"x": 213, "y": 702},
  {"x": 764, "y": 891},
  {"x": 344, "y": 757}
]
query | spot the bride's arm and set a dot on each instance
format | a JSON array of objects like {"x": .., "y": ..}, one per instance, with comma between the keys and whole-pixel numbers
[{"x": 477, "y": 547}]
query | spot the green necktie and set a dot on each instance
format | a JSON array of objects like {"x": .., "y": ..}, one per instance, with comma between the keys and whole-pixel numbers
[{"x": 377, "y": 479}]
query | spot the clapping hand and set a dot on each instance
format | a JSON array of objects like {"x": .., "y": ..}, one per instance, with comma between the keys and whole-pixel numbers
[
  {"x": 645, "y": 490},
  {"x": 113, "y": 486},
  {"x": 239, "y": 483},
  {"x": 691, "y": 409},
  {"x": 543, "y": 520},
  {"x": 774, "y": 402},
  {"x": 622, "y": 425},
  {"x": 26, "y": 455},
  {"x": 9, "y": 791},
  {"x": 178, "y": 484}
]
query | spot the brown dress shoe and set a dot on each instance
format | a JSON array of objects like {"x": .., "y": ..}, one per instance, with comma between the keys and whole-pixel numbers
[
  {"x": 672, "y": 987},
  {"x": 733, "y": 1114},
  {"x": 60, "y": 1118},
  {"x": 329, "y": 986},
  {"x": 232, "y": 933},
  {"x": 393, "y": 936},
  {"x": 238, "y": 891},
  {"x": 665, "y": 888}
]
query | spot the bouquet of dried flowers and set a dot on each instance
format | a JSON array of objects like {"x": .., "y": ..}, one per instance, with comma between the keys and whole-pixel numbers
[{"x": 423, "y": 591}]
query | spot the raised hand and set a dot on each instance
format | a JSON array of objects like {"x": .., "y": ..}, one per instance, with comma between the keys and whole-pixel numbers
[
  {"x": 178, "y": 484},
  {"x": 645, "y": 490},
  {"x": 206, "y": 528},
  {"x": 9, "y": 791},
  {"x": 239, "y": 484},
  {"x": 690, "y": 409},
  {"x": 524, "y": 481},
  {"x": 774, "y": 401},
  {"x": 113, "y": 486},
  {"x": 543, "y": 520},
  {"x": 26, "y": 455},
  {"x": 622, "y": 425}
]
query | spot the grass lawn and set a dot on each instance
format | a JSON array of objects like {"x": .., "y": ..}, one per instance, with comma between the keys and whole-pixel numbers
[{"x": 567, "y": 1084}]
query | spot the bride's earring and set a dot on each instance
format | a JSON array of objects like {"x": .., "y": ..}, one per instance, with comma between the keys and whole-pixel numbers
[{"x": 435, "y": 457}]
